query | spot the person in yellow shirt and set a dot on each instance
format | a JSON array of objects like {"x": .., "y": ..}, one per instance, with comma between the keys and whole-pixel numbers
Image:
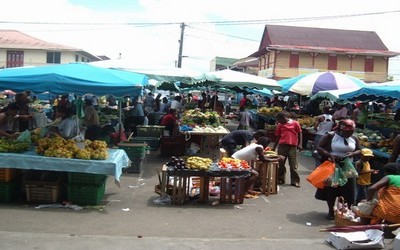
[{"x": 364, "y": 174}]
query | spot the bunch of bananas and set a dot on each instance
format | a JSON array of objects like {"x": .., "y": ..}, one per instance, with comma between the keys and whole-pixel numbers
[
  {"x": 270, "y": 153},
  {"x": 195, "y": 162}
]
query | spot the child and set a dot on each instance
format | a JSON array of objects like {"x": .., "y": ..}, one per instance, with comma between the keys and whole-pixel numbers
[{"x": 364, "y": 174}]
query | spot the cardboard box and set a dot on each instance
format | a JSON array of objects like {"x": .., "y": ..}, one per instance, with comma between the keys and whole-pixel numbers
[{"x": 368, "y": 239}]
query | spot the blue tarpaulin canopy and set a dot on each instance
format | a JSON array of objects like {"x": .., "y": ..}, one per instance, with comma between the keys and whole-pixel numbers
[
  {"x": 77, "y": 78},
  {"x": 373, "y": 93}
]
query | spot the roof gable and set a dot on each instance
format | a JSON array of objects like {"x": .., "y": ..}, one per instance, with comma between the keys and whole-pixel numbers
[
  {"x": 320, "y": 37},
  {"x": 17, "y": 40}
]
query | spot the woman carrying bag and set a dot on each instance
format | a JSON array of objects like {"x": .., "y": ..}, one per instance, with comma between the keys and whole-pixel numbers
[{"x": 335, "y": 146}]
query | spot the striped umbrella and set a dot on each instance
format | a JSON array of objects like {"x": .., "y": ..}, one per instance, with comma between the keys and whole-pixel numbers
[{"x": 311, "y": 84}]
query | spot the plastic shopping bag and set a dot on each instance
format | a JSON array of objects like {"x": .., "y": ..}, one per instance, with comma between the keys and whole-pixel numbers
[
  {"x": 322, "y": 172},
  {"x": 348, "y": 168},
  {"x": 337, "y": 178},
  {"x": 24, "y": 137}
]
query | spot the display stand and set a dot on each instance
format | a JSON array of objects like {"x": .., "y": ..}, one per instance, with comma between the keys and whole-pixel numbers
[
  {"x": 231, "y": 184},
  {"x": 268, "y": 175}
]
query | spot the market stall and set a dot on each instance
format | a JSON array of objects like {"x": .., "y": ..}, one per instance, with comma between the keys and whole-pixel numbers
[
  {"x": 80, "y": 79},
  {"x": 113, "y": 165},
  {"x": 204, "y": 129}
]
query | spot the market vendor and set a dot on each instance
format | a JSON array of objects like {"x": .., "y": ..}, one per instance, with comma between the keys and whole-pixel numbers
[
  {"x": 24, "y": 117},
  {"x": 241, "y": 138},
  {"x": 388, "y": 194},
  {"x": 91, "y": 118},
  {"x": 68, "y": 127},
  {"x": 170, "y": 121},
  {"x": 252, "y": 152},
  {"x": 7, "y": 119}
]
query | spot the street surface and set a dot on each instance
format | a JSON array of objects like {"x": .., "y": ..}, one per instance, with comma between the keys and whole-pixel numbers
[{"x": 290, "y": 219}]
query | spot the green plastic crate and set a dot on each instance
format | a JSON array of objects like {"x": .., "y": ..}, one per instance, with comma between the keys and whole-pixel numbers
[
  {"x": 150, "y": 130},
  {"x": 152, "y": 142},
  {"x": 83, "y": 194},
  {"x": 84, "y": 178},
  {"x": 134, "y": 150},
  {"x": 136, "y": 165},
  {"x": 9, "y": 190}
]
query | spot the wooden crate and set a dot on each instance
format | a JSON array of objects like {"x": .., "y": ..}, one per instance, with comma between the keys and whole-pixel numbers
[
  {"x": 268, "y": 176},
  {"x": 231, "y": 190}
]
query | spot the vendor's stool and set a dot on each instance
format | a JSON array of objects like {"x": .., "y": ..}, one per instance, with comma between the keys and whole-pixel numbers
[
  {"x": 231, "y": 190},
  {"x": 268, "y": 175}
]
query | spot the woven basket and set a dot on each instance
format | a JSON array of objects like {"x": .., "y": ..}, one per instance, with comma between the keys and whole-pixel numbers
[{"x": 340, "y": 220}]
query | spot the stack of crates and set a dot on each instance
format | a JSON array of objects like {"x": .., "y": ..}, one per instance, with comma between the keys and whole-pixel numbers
[
  {"x": 149, "y": 134},
  {"x": 9, "y": 184},
  {"x": 86, "y": 189},
  {"x": 43, "y": 186},
  {"x": 136, "y": 153}
]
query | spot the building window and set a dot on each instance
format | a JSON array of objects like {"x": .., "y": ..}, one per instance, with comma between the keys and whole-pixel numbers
[
  {"x": 15, "y": 59},
  {"x": 53, "y": 57},
  {"x": 332, "y": 62},
  {"x": 82, "y": 59},
  {"x": 369, "y": 64},
  {"x": 76, "y": 58},
  {"x": 294, "y": 60}
]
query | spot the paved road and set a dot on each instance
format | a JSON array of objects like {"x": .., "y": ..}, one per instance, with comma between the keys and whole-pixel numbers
[{"x": 289, "y": 220}]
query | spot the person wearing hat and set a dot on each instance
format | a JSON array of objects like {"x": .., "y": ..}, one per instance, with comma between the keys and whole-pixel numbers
[
  {"x": 365, "y": 171},
  {"x": 334, "y": 146}
]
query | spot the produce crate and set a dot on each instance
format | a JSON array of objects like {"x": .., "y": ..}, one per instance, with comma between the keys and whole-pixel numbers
[
  {"x": 9, "y": 190},
  {"x": 134, "y": 150},
  {"x": 43, "y": 186},
  {"x": 137, "y": 154},
  {"x": 84, "y": 178},
  {"x": 137, "y": 165},
  {"x": 86, "y": 194},
  {"x": 8, "y": 174},
  {"x": 152, "y": 142},
  {"x": 150, "y": 130}
]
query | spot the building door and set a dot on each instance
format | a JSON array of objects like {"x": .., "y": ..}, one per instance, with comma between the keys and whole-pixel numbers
[{"x": 15, "y": 59}]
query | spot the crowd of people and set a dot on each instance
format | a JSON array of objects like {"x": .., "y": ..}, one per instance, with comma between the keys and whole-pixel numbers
[{"x": 335, "y": 141}]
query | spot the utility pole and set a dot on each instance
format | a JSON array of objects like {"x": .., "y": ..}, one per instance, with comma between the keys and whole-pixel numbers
[{"x": 181, "y": 46}]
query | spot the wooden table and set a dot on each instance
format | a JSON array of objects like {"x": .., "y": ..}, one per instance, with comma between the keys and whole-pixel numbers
[{"x": 181, "y": 180}]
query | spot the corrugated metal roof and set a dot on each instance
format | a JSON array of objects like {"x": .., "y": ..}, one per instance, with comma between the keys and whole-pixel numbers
[
  {"x": 13, "y": 39},
  {"x": 319, "y": 37},
  {"x": 354, "y": 41}
]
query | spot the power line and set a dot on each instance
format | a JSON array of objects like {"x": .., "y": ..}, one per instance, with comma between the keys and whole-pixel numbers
[{"x": 237, "y": 22}]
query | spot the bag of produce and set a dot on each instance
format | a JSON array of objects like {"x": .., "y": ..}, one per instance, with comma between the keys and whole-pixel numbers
[
  {"x": 24, "y": 137},
  {"x": 348, "y": 168},
  {"x": 337, "y": 178}
]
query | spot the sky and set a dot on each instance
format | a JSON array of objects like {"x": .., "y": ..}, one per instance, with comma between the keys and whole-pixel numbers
[{"x": 146, "y": 33}]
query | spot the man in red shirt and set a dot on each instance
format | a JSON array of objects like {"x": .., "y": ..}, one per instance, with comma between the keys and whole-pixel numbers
[{"x": 289, "y": 138}]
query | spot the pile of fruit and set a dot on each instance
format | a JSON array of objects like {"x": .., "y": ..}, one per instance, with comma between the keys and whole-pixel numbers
[
  {"x": 227, "y": 163},
  {"x": 11, "y": 146},
  {"x": 269, "y": 111},
  {"x": 195, "y": 162},
  {"x": 62, "y": 148},
  {"x": 197, "y": 117},
  {"x": 177, "y": 163},
  {"x": 270, "y": 153},
  {"x": 306, "y": 121}
]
